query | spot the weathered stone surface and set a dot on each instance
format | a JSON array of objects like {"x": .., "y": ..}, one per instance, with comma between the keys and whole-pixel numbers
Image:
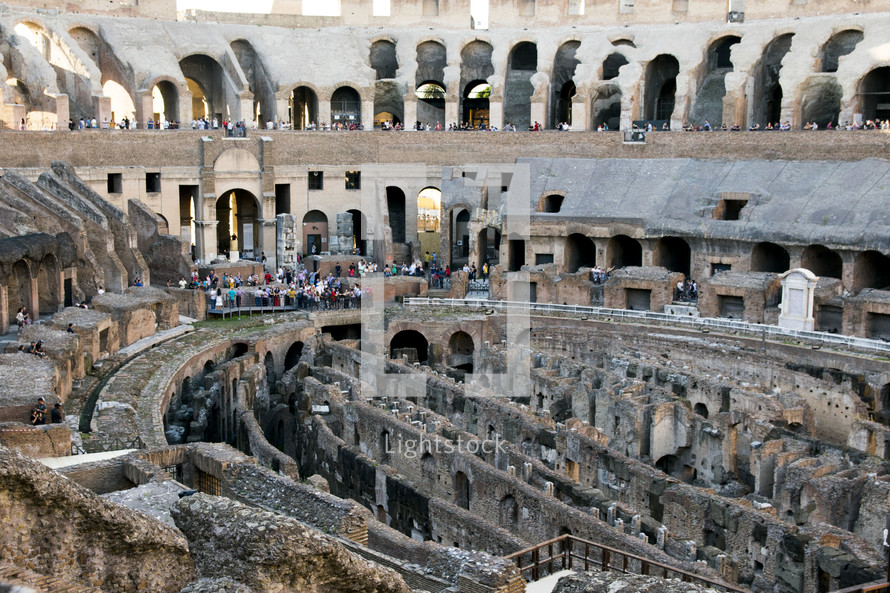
[
  {"x": 269, "y": 552},
  {"x": 51, "y": 525},
  {"x": 610, "y": 582}
]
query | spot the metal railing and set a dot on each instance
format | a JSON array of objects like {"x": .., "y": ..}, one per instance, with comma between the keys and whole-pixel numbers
[
  {"x": 251, "y": 304},
  {"x": 568, "y": 552},
  {"x": 873, "y": 587},
  {"x": 106, "y": 445},
  {"x": 757, "y": 330}
]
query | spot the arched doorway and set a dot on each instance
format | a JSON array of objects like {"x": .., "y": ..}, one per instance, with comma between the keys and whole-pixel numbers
[
  {"x": 346, "y": 106},
  {"x": 708, "y": 104},
  {"x": 508, "y": 512},
  {"x": 672, "y": 466},
  {"x": 207, "y": 82},
  {"x": 606, "y": 107},
  {"x": 315, "y": 232},
  {"x": 410, "y": 343},
  {"x": 460, "y": 236},
  {"x": 661, "y": 86},
  {"x": 874, "y": 94},
  {"x": 237, "y": 229},
  {"x": 383, "y": 59},
  {"x": 304, "y": 108},
  {"x": 822, "y": 262},
  {"x": 395, "y": 205},
  {"x": 580, "y": 252},
  {"x": 359, "y": 228},
  {"x": 820, "y": 101},
  {"x": 461, "y": 348},
  {"x": 769, "y": 257},
  {"x": 165, "y": 103},
  {"x": 674, "y": 254},
  {"x": 429, "y": 202},
  {"x": 623, "y": 251},
  {"x": 475, "y": 68},
  {"x": 48, "y": 285},
  {"x": 766, "y": 99},
  {"x": 841, "y": 44},
  {"x": 122, "y": 105},
  {"x": 871, "y": 270},
  {"x": 476, "y": 104},
  {"x": 522, "y": 64},
  {"x": 563, "y": 85},
  {"x": 430, "y": 103},
  {"x": 292, "y": 357},
  {"x": 489, "y": 247},
  {"x": 19, "y": 289}
]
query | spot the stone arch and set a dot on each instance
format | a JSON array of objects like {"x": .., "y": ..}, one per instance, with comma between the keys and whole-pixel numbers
[
  {"x": 871, "y": 269},
  {"x": 673, "y": 466},
  {"x": 431, "y": 62},
  {"x": 873, "y": 94},
  {"x": 508, "y": 512},
  {"x": 606, "y": 107},
  {"x": 346, "y": 106},
  {"x": 292, "y": 357},
  {"x": 462, "y": 490},
  {"x": 429, "y": 212},
  {"x": 49, "y": 289},
  {"x": 766, "y": 98},
  {"x": 461, "y": 348},
  {"x": 840, "y": 44},
  {"x": 459, "y": 231},
  {"x": 701, "y": 409},
  {"x": 212, "y": 94},
  {"x": 551, "y": 202},
  {"x": 315, "y": 232},
  {"x": 115, "y": 84},
  {"x": 660, "y": 88},
  {"x": 238, "y": 228},
  {"x": 522, "y": 64},
  {"x": 822, "y": 261},
  {"x": 18, "y": 285},
  {"x": 623, "y": 41},
  {"x": 389, "y": 103},
  {"x": 258, "y": 82},
  {"x": 769, "y": 257},
  {"x": 475, "y": 68},
  {"x": 396, "y": 207},
  {"x": 303, "y": 107},
  {"x": 562, "y": 84},
  {"x": 165, "y": 92},
  {"x": 406, "y": 341},
  {"x": 236, "y": 160},
  {"x": 580, "y": 252},
  {"x": 477, "y": 104},
  {"x": 430, "y": 102},
  {"x": 612, "y": 65},
  {"x": 359, "y": 231},
  {"x": 383, "y": 58},
  {"x": 674, "y": 254},
  {"x": 708, "y": 105},
  {"x": 820, "y": 101},
  {"x": 488, "y": 246},
  {"x": 623, "y": 251}
]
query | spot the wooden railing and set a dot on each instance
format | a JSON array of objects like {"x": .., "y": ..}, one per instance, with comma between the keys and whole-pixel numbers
[
  {"x": 568, "y": 552},
  {"x": 873, "y": 587}
]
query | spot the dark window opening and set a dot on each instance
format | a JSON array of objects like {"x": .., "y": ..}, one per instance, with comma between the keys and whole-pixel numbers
[
  {"x": 552, "y": 203},
  {"x": 115, "y": 183},
  {"x": 543, "y": 258},
  {"x": 353, "y": 180},
  {"x": 152, "y": 183},
  {"x": 729, "y": 209},
  {"x": 316, "y": 180},
  {"x": 282, "y": 198}
]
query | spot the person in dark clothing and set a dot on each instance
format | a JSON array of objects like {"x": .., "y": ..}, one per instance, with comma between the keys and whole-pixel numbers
[{"x": 56, "y": 414}]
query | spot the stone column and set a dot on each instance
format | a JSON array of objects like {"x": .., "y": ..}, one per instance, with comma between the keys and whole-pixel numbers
[
  {"x": 205, "y": 240},
  {"x": 101, "y": 108},
  {"x": 324, "y": 111},
  {"x": 185, "y": 109},
  {"x": 496, "y": 110},
  {"x": 63, "y": 113},
  {"x": 282, "y": 107},
  {"x": 145, "y": 108},
  {"x": 268, "y": 237},
  {"x": 34, "y": 297},
  {"x": 410, "y": 113},
  {"x": 580, "y": 115},
  {"x": 452, "y": 107},
  {"x": 368, "y": 115},
  {"x": 245, "y": 110}
]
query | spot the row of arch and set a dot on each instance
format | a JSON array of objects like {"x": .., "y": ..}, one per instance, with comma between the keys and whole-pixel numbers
[
  {"x": 35, "y": 285},
  {"x": 871, "y": 268},
  {"x": 237, "y": 86}
]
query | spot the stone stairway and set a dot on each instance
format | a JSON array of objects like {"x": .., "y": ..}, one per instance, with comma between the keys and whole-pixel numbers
[{"x": 31, "y": 581}]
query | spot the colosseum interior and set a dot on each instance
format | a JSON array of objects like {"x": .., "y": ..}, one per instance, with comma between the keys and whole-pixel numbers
[{"x": 646, "y": 346}]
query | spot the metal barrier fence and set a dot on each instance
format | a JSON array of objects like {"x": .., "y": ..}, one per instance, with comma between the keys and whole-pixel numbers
[
  {"x": 757, "y": 330},
  {"x": 253, "y": 304},
  {"x": 568, "y": 552}
]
